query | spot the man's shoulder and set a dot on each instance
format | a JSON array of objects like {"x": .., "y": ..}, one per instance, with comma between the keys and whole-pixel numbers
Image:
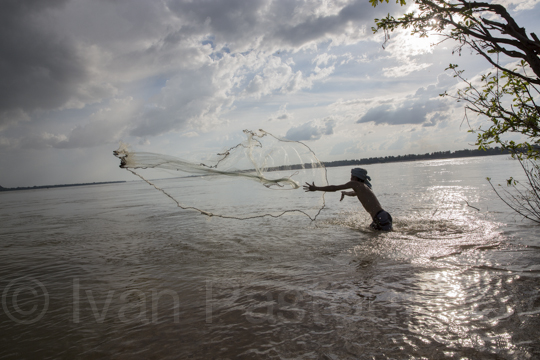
[{"x": 357, "y": 185}]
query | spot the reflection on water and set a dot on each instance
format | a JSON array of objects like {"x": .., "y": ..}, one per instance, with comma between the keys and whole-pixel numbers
[{"x": 117, "y": 271}]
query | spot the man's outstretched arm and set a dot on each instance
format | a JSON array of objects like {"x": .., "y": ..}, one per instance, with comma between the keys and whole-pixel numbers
[{"x": 329, "y": 188}]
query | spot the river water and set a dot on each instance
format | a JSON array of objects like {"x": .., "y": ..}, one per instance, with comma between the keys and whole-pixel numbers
[{"x": 118, "y": 271}]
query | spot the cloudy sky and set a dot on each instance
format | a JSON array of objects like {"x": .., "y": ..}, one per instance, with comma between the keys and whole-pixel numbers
[{"x": 185, "y": 77}]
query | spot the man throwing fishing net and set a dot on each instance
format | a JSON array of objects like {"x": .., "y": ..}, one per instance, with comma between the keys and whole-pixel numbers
[{"x": 362, "y": 189}]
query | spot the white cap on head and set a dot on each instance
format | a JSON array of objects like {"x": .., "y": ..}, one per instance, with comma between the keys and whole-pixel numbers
[{"x": 362, "y": 175}]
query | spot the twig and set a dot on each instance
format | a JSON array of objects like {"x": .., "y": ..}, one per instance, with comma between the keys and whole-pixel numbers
[{"x": 470, "y": 205}]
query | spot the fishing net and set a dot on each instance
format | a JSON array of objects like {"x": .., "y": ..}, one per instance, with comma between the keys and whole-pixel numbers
[{"x": 261, "y": 176}]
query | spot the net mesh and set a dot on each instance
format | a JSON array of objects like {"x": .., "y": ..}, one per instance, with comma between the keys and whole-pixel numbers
[{"x": 261, "y": 176}]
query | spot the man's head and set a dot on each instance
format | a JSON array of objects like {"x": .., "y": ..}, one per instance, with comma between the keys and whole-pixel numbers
[{"x": 359, "y": 174}]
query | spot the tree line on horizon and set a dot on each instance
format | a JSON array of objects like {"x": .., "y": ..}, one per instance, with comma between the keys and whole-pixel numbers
[
  {"x": 415, "y": 157},
  {"x": 59, "y": 186},
  {"x": 389, "y": 159}
]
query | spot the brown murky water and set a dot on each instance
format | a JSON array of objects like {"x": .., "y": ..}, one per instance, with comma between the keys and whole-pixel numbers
[{"x": 117, "y": 271}]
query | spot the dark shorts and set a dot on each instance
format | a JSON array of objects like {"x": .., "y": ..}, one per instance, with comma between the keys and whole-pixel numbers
[{"x": 382, "y": 221}]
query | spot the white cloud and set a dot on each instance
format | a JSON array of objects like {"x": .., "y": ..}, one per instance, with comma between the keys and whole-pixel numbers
[
  {"x": 424, "y": 107},
  {"x": 274, "y": 75},
  {"x": 323, "y": 59},
  {"x": 190, "y": 134},
  {"x": 311, "y": 130},
  {"x": 279, "y": 76},
  {"x": 403, "y": 70},
  {"x": 518, "y": 5},
  {"x": 281, "y": 114}
]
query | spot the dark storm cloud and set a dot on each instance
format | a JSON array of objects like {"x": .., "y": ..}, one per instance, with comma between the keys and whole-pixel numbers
[
  {"x": 310, "y": 131},
  {"x": 415, "y": 108},
  {"x": 315, "y": 28},
  {"x": 269, "y": 24},
  {"x": 411, "y": 111},
  {"x": 39, "y": 70},
  {"x": 227, "y": 18}
]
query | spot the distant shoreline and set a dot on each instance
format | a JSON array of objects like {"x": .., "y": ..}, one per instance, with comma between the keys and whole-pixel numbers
[
  {"x": 440, "y": 155},
  {"x": 59, "y": 186}
]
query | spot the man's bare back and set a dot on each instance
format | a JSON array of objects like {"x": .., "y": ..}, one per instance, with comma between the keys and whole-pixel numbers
[{"x": 359, "y": 184}]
